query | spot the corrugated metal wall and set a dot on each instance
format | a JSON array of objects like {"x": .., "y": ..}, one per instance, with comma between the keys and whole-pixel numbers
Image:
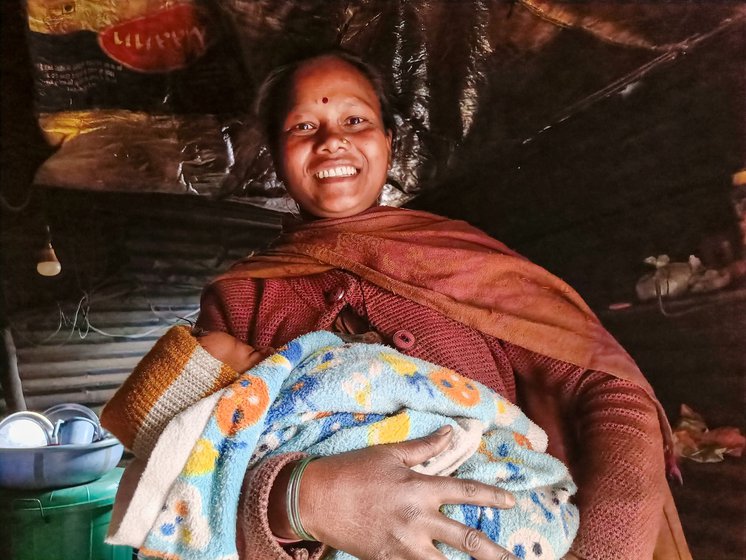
[{"x": 132, "y": 267}]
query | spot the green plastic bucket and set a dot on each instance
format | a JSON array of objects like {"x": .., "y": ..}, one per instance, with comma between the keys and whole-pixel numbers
[{"x": 63, "y": 524}]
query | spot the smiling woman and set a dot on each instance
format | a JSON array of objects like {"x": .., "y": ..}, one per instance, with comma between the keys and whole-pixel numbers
[
  {"x": 442, "y": 291},
  {"x": 333, "y": 148}
]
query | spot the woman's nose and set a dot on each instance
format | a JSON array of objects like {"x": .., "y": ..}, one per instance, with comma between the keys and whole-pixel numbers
[{"x": 332, "y": 139}]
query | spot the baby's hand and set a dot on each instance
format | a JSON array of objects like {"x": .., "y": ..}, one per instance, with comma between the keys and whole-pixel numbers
[{"x": 231, "y": 351}]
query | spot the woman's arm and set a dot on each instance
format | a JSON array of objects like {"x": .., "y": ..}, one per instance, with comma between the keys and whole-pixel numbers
[
  {"x": 230, "y": 306},
  {"x": 617, "y": 456}
]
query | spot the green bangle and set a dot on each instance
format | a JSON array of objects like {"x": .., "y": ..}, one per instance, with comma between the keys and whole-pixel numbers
[{"x": 292, "y": 498}]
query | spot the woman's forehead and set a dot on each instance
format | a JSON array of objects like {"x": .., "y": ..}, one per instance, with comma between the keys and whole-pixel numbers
[{"x": 331, "y": 79}]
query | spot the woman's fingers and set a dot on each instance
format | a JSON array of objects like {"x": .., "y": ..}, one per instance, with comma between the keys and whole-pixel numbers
[
  {"x": 416, "y": 451},
  {"x": 469, "y": 540},
  {"x": 463, "y": 491},
  {"x": 370, "y": 504}
]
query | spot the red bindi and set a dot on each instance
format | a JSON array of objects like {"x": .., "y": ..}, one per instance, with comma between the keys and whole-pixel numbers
[{"x": 325, "y": 100}]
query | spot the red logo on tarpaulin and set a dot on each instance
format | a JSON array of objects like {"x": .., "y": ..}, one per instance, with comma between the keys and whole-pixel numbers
[{"x": 160, "y": 41}]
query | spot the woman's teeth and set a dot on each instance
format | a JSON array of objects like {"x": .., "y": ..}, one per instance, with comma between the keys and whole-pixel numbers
[{"x": 342, "y": 171}]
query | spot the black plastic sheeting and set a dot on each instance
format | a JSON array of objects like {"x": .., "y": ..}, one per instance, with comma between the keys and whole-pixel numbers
[{"x": 155, "y": 95}]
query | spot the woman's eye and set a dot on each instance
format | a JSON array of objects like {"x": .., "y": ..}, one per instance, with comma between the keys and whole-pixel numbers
[
  {"x": 302, "y": 127},
  {"x": 355, "y": 120}
]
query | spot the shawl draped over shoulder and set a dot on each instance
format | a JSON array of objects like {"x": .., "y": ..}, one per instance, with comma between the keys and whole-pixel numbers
[{"x": 458, "y": 270}]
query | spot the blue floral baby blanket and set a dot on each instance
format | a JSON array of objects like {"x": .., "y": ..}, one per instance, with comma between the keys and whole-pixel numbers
[{"x": 322, "y": 395}]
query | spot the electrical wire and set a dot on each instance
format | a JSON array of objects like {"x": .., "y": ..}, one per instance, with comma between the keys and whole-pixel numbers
[
  {"x": 13, "y": 208},
  {"x": 80, "y": 323}
]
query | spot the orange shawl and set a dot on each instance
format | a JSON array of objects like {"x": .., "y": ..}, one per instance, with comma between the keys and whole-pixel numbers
[{"x": 459, "y": 271}]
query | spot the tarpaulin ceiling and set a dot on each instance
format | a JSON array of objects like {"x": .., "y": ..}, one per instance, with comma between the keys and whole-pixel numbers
[{"x": 155, "y": 95}]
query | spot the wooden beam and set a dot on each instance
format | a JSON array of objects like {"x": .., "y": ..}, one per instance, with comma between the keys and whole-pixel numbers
[{"x": 9, "y": 377}]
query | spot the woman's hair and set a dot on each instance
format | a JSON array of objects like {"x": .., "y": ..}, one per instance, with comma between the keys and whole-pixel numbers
[{"x": 273, "y": 98}]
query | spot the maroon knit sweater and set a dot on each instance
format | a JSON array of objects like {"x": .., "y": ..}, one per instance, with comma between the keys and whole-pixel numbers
[{"x": 617, "y": 459}]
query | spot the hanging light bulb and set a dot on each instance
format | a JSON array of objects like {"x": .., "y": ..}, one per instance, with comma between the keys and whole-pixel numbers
[{"x": 47, "y": 263}]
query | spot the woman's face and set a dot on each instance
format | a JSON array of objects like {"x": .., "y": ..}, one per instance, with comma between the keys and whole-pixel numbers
[{"x": 334, "y": 151}]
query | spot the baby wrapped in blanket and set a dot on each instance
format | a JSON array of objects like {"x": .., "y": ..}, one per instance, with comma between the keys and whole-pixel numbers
[{"x": 323, "y": 396}]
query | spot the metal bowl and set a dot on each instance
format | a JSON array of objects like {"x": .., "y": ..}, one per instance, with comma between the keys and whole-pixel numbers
[
  {"x": 58, "y": 466},
  {"x": 65, "y": 411},
  {"x": 25, "y": 429}
]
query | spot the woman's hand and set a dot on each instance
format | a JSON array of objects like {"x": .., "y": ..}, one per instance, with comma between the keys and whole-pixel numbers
[{"x": 370, "y": 504}]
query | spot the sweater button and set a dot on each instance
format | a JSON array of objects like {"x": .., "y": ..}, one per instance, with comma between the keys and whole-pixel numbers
[
  {"x": 335, "y": 295},
  {"x": 404, "y": 340}
]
